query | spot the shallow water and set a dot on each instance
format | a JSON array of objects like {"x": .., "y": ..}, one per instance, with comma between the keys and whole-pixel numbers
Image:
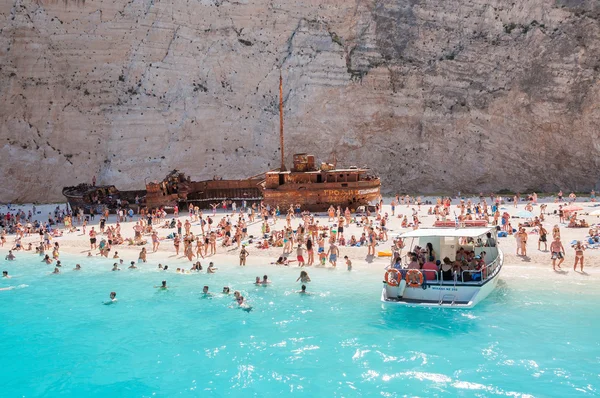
[{"x": 527, "y": 339}]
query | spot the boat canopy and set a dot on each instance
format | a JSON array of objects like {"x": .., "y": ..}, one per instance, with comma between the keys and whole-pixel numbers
[{"x": 450, "y": 232}]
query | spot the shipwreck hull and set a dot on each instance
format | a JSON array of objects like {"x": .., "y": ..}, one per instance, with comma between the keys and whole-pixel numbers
[
  {"x": 319, "y": 198},
  {"x": 204, "y": 193},
  {"x": 98, "y": 198}
]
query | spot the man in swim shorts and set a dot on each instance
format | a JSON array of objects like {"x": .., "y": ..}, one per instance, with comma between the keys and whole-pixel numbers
[
  {"x": 92, "y": 239},
  {"x": 300, "y": 255},
  {"x": 333, "y": 252},
  {"x": 557, "y": 250}
]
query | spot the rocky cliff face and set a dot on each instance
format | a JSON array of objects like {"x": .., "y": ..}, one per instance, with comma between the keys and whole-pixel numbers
[{"x": 434, "y": 95}]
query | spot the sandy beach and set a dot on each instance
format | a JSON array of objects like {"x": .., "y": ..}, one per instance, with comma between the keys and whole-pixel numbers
[{"x": 536, "y": 264}]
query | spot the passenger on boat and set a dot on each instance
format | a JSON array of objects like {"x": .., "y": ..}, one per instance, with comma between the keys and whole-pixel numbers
[
  {"x": 431, "y": 270},
  {"x": 414, "y": 263},
  {"x": 447, "y": 271},
  {"x": 429, "y": 252},
  {"x": 490, "y": 242},
  {"x": 461, "y": 255}
]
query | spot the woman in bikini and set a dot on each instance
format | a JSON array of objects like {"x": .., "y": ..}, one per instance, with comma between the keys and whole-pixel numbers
[{"x": 579, "y": 249}]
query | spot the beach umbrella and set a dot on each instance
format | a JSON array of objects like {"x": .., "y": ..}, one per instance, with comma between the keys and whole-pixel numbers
[
  {"x": 595, "y": 213},
  {"x": 524, "y": 214},
  {"x": 572, "y": 208}
]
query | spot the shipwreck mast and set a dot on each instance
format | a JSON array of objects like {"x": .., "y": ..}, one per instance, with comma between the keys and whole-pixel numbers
[{"x": 281, "y": 120}]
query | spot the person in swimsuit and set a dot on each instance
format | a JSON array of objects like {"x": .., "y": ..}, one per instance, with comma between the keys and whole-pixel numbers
[
  {"x": 163, "y": 286},
  {"x": 333, "y": 252},
  {"x": 113, "y": 298},
  {"x": 304, "y": 278},
  {"x": 579, "y": 249},
  {"x": 211, "y": 268},
  {"x": 310, "y": 252},
  {"x": 243, "y": 254},
  {"x": 557, "y": 250},
  {"x": 10, "y": 256},
  {"x": 92, "y": 239},
  {"x": 303, "y": 290},
  {"x": 300, "y": 256},
  {"x": 543, "y": 238}
]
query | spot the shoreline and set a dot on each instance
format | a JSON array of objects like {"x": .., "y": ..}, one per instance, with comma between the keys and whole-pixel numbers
[{"x": 227, "y": 259}]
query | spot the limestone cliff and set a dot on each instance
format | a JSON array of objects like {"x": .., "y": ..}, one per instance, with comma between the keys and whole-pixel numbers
[{"x": 434, "y": 95}]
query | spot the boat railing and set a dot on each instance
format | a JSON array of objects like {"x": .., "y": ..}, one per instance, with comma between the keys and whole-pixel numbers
[{"x": 486, "y": 272}]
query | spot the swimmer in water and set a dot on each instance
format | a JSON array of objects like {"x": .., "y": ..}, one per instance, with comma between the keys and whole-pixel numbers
[
  {"x": 226, "y": 290},
  {"x": 56, "y": 271},
  {"x": 160, "y": 266},
  {"x": 47, "y": 259},
  {"x": 132, "y": 266},
  {"x": 10, "y": 256},
  {"x": 116, "y": 255},
  {"x": 163, "y": 286},
  {"x": 205, "y": 292},
  {"x": 242, "y": 303},
  {"x": 258, "y": 281},
  {"x": 116, "y": 267},
  {"x": 265, "y": 280},
  {"x": 58, "y": 264},
  {"x": 348, "y": 263},
  {"x": 77, "y": 267},
  {"x": 5, "y": 274},
  {"x": 304, "y": 278},
  {"x": 211, "y": 268},
  {"x": 166, "y": 268},
  {"x": 113, "y": 298},
  {"x": 303, "y": 291},
  {"x": 89, "y": 254}
]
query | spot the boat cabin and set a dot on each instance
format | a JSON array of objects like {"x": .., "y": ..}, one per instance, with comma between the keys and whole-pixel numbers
[
  {"x": 305, "y": 171},
  {"x": 471, "y": 253}
]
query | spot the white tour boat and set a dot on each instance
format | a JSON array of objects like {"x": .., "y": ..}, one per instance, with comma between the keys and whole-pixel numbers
[{"x": 470, "y": 264}]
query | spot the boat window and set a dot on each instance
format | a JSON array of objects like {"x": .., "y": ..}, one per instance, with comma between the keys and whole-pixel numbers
[
  {"x": 344, "y": 185},
  {"x": 319, "y": 178},
  {"x": 281, "y": 179}
]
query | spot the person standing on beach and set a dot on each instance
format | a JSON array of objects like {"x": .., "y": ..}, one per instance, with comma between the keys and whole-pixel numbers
[
  {"x": 523, "y": 242},
  {"x": 93, "y": 239},
  {"x": 557, "y": 250},
  {"x": 333, "y": 253},
  {"x": 155, "y": 241},
  {"x": 579, "y": 249},
  {"x": 372, "y": 242},
  {"x": 348, "y": 263},
  {"x": 300, "y": 256},
  {"x": 543, "y": 238},
  {"x": 243, "y": 255}
]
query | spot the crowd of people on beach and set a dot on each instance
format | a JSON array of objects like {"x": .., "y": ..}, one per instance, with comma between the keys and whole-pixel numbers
[{"x": 299, "y": 234}]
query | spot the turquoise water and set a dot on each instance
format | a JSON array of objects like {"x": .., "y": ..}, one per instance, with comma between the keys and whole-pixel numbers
[{"x": 57, "y": 339}]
